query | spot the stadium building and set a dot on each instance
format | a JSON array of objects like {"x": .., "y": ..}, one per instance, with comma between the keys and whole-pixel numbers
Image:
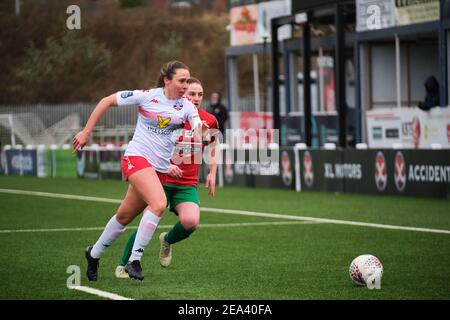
[{"x": 345, "y": 75}]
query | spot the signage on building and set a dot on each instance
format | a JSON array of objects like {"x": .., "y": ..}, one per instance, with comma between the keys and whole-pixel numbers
[
  {"x": 417, "y": 11},
  {"x": 381, "y": 14},
  {"x": 250, "y": 23},
  {"x": 409, "y": 128},
  {"x": 374, "y": 14}
]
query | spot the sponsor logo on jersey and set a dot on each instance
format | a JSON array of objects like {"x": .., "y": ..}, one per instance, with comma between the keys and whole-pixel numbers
[
  {"x": 154, "y": 101},
  {"x": 126, "y": 94},
  {"x": 163, "y": 123},
  {"x": 178, "y": 105}
]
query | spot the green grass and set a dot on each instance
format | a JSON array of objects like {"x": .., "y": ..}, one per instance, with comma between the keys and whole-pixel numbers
[{"x": 295, "y": 261}]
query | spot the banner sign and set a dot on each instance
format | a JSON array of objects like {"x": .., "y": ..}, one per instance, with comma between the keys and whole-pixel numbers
[
  {"x": 247, "y": 168},
  {"x": 379, "y": 171},
  {"x": 21, "y": 162},
  {"x": 374, "y": 14},
  {"x": 99, "y": 163},
  {"x": 411, "y": 12},
  {"x": 413, "y": 128},
  {"x": 381, "y": 14},
  {"x": 250, "y": 23}
]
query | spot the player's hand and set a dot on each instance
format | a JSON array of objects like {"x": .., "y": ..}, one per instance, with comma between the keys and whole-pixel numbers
[
  {"x": 80, "y": 140},
  {"x": 206, "y": 136},
  {"x": 201, "y": 131},
  {"x": 205, "y": 126},
  {"x": 175, "y": 172},
  {"x": 211, "y": 184}
]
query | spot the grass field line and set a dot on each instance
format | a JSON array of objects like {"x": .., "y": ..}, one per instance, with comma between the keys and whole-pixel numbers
[
  {"x": 238, "y": 212},
  {"x": 167, "y": 226},
  {"x": 100, "y": 293}
]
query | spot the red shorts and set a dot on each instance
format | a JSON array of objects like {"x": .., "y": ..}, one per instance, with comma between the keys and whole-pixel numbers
[{"x": 132, "y": 164}]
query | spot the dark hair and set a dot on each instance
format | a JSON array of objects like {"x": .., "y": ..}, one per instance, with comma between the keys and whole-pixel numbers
[
  {"x": 192, "y": 80},
  {"x": 168, "y": 70}
]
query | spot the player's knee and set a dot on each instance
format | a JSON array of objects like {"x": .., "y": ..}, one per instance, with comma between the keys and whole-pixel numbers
[
  {"x": 190, "y": 223},
  {"x": 158, "y": 206},
  {"x": 123, "y": 219}
]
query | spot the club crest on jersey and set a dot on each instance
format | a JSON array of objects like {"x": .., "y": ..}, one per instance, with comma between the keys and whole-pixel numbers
[
  {"x": 126, "y": 94},
  {"x": 178, "y": 105},
  {"x": 163, "y": 123}
]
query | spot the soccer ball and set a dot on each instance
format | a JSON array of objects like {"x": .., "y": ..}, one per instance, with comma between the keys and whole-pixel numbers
[{"x": 366, "y": 270}]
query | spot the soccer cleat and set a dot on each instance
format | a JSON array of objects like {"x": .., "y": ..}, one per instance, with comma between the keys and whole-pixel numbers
[
  {"x": 93, "y": 264},
  {"x": 121, "y": 273},
  {"x": 165, "y": 252},
  {"x": 134, "y": 270}
]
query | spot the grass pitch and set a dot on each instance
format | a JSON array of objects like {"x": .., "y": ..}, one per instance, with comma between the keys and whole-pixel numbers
[{"x": 230, "y": 256}]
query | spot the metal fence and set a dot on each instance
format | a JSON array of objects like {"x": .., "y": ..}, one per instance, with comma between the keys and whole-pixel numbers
[
  {"x": 34, "y": 120},
  {"x": 51, "y": 122}
]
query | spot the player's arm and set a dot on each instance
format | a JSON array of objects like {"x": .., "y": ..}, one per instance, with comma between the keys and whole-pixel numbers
[
  {"x": 213, "y": 155},
  {"x": 211, "y": 177},
  {"x": 82, "y": 137},
  {"x": 199, "y": 128}
]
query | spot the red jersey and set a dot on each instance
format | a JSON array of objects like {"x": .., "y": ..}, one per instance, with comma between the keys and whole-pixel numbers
[{"x": 188, "y": 154}]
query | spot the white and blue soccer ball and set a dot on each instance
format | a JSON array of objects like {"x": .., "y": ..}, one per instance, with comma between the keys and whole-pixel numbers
[{"x": 366, "y": 270}]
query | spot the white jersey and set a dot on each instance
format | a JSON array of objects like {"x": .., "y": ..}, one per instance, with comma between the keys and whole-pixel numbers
[{"x": 158, "y": 118}]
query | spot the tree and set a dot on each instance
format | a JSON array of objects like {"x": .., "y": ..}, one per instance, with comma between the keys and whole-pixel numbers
[
  {"x": 170, "y": 50},
  {"x": 62, "y": 69},
  {"x": 131, "y": 3}
]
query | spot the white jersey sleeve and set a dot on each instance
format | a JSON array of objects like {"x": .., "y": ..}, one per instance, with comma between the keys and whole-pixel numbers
[
  {"x": 192, "y": 115},
  {"x": 132, "y": 97}
]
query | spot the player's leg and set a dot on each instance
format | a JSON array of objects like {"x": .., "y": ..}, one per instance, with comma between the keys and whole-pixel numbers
[
  {"x": 187, "y": 207},
  {"x": 148, "y": 185},
  {"x": 120, "y": 269},
  {"x": 131, "y": 206},
  {"x": 189, "y": 218}
]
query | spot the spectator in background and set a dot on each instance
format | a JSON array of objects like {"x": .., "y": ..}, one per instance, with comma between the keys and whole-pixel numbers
[
  {"x": 432, "y": 94},
  {"x": 217, "y": 109}
]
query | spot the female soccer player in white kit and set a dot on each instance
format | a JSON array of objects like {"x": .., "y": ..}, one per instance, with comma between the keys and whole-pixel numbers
[{"x": 146, "y": 160}]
